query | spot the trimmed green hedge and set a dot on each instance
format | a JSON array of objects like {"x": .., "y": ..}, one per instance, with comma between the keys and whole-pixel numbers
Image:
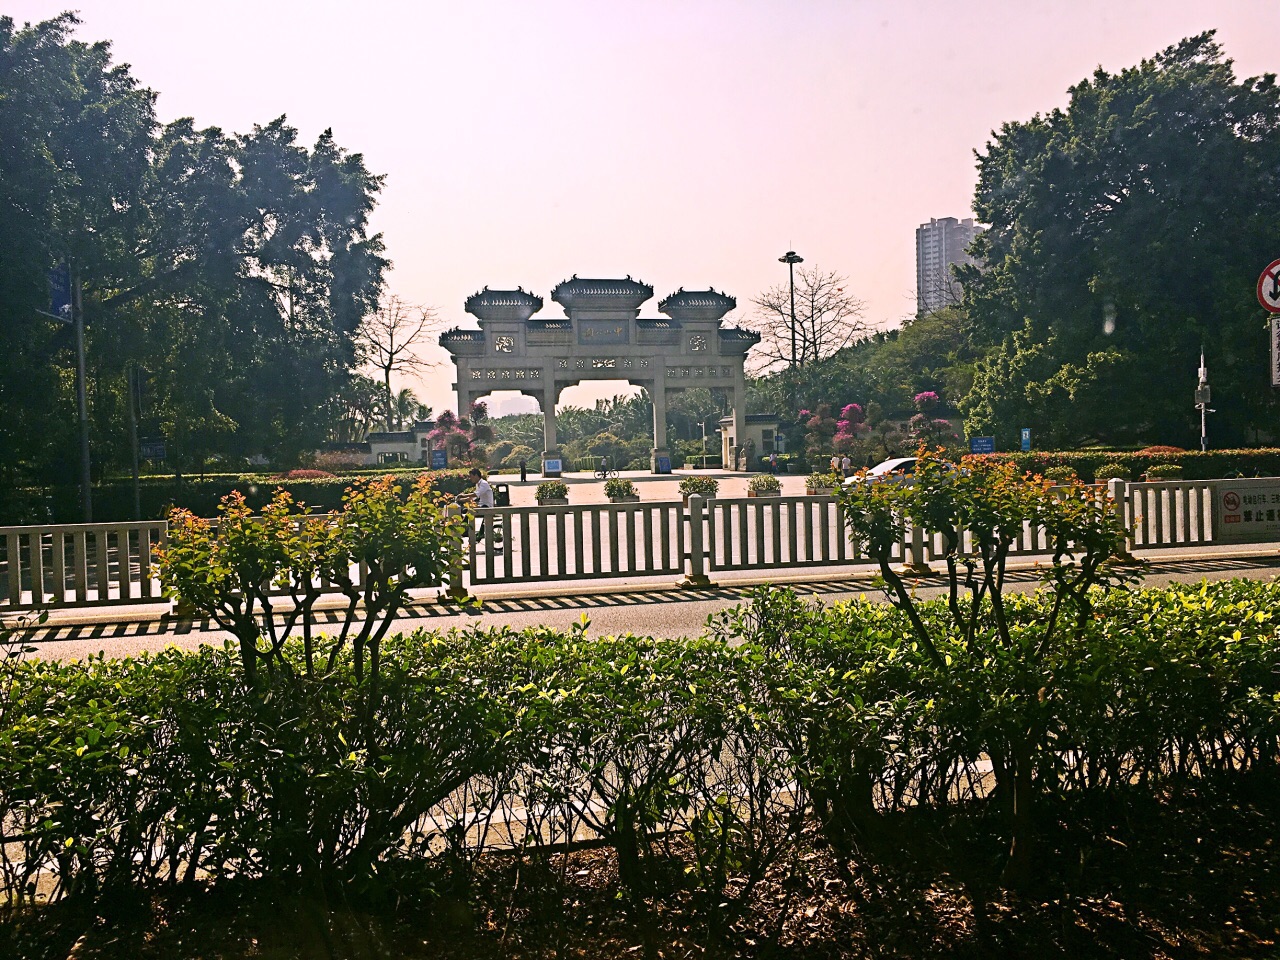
[
  {"x": 139, "y": 772},
  {"x": 1214, "y": 465},
  {"x": 113, "y": 500}
]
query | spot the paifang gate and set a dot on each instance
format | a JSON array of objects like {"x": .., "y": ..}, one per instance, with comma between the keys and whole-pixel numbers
[{"x": 603, "y": 337}]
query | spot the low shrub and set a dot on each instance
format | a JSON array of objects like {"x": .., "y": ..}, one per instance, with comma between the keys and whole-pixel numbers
[
  {"x": 764, "y": 483},
  {"x": 113, "y": 500},
  {"x": 147, "y": 771},
  {"x": 703, "y": 486},
  {"x": 619, "y": 487},
  {"x": 552, "y": 490},
  {"x": 1060, "y": 474},
  {"x": 817, "y": 481},
  {"x": 305, "y": 474},
  {"x": 1111, "y": 470},
  {"x": 1212, "y": 465},
  {"x": 1164, "y": 471}
]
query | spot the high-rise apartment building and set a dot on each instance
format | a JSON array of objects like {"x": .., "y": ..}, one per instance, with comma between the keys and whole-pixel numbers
[{"x": 939, "y": 244}]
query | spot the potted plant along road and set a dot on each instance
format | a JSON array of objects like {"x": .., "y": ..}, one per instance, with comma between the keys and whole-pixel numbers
[
  {"x": 1163, "y": 471},
  {"x": 552, "y": 493},
  {"x": 763, "y": 485},
  {"x": 703, "y": 486},
  {"x": 621, "y": 490},
  {"x": 821, "y": 484}
]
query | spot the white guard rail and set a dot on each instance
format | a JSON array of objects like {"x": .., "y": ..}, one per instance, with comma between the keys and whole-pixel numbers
[{"x": 88, "y": 564}]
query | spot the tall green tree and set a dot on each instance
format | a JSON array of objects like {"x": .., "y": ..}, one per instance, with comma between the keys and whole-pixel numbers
[
  {"x": 77, "y": 131},
  {"x": 1126, "y": 231},
  {"x": 231, "y": 272}
]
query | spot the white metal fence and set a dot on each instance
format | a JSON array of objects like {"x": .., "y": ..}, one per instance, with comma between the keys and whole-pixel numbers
[
  {"x": 522, "y": 545},
  {"x": 87, "y": 564},
  {"x": 79, "y": 565}
]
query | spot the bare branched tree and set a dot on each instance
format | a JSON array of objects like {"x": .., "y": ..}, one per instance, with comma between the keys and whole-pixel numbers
[
  {"x": 828, "y": 318},
  {"x": 387, "y": 339}
]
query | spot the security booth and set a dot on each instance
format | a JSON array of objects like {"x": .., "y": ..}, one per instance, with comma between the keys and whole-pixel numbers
[{"x": 759, "y": 438}]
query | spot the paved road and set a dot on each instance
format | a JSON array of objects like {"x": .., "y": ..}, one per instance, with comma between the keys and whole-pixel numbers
[{"x": 654, "y": 608}]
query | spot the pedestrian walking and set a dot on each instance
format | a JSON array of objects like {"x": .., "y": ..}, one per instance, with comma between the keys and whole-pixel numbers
[
  {"x": 846, "y": 466},
  {"x": 523, "y": 472},
  {"x": 773, "y": 463},
  {"x": 482, "y": 497}
]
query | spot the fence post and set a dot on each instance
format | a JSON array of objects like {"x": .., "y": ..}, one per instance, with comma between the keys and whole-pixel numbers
[
  {"x": 1119, "y": 494},
  {"x": 913, "y": 559},
  {"x": 697, "y": 576},
  {"x": 457, "y": 589}
]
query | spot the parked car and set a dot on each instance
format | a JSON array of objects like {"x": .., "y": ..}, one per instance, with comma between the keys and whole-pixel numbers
[{"x": 897, "y": 470}]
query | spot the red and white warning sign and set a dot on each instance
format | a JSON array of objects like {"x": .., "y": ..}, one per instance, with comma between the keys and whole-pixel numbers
[
  {"x": 1246, "y": 511},
  {"x": 1269, "y": 287}
]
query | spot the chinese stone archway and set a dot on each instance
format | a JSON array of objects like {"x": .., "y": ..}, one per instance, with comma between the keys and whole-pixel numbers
[{"x": 603, "y": 338}]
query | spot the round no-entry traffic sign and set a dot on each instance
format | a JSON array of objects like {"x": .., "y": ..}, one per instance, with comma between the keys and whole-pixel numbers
[{"x": 1269, "y": 287}]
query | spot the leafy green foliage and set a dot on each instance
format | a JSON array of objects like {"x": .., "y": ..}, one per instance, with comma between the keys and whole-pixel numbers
[
  {"x": 703, "y": 486},
  {"x": 374, "y": 550},
  {"x": 552, "y": 490},
  {"x": 230, "y": 271},
  {"x": 817, "y": 481},
  {"x": 979, "y": 513},
  {"x": 619, "y": 487},
  {"x": 1080, "y": 297},
  {"x": 1213, "y": 465},
  {"x": 764, "y": 484},
  {"x": 168, "y": 767},
  {"x": 1060, "y": 474}
]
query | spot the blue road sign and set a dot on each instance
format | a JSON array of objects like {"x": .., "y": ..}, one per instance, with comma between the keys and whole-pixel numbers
[
  {"x": 982, "y": 444},
  {"x": 151, "y": 449},
  {"x": 1026, "y": 439},
  {"x": 439, "y": 459},
  {"x": 664, "y": 465}
]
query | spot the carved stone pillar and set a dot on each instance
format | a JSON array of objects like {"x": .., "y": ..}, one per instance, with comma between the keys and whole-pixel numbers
[
  {"x": 548, "y": 401},
  {"x": 660, "y": 458}
]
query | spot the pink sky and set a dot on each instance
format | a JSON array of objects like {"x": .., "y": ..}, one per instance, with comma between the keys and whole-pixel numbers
[{"x": 684, "y": 143}]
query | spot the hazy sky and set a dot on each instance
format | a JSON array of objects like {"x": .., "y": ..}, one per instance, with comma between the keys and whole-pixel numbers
[{"x": 683, "y": 143}]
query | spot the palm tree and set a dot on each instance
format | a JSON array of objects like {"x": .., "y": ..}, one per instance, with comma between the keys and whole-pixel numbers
[{"x": 408, "y": 407}]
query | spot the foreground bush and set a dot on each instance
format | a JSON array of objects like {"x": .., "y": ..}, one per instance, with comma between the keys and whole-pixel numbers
[{"x": 160, "y": 769}]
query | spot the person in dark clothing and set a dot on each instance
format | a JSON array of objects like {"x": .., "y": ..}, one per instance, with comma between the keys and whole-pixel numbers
[{"x": 523, "y": 473}]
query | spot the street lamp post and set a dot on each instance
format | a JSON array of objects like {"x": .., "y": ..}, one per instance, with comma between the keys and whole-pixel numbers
[{"x": 791, "y": 258}]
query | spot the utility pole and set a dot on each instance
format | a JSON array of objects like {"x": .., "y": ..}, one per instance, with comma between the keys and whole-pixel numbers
[
  {"x": 791, "y": 258},
  {"x": 86, "y": 483},
  {"x": 1202, "y": 402}
]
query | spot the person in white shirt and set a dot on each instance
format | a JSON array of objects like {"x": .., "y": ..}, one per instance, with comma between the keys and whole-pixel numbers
[
  {"x": 484, "y": 492},
  {"x": 846, "y": 466},
  {"x": 483, "y": 496}
]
